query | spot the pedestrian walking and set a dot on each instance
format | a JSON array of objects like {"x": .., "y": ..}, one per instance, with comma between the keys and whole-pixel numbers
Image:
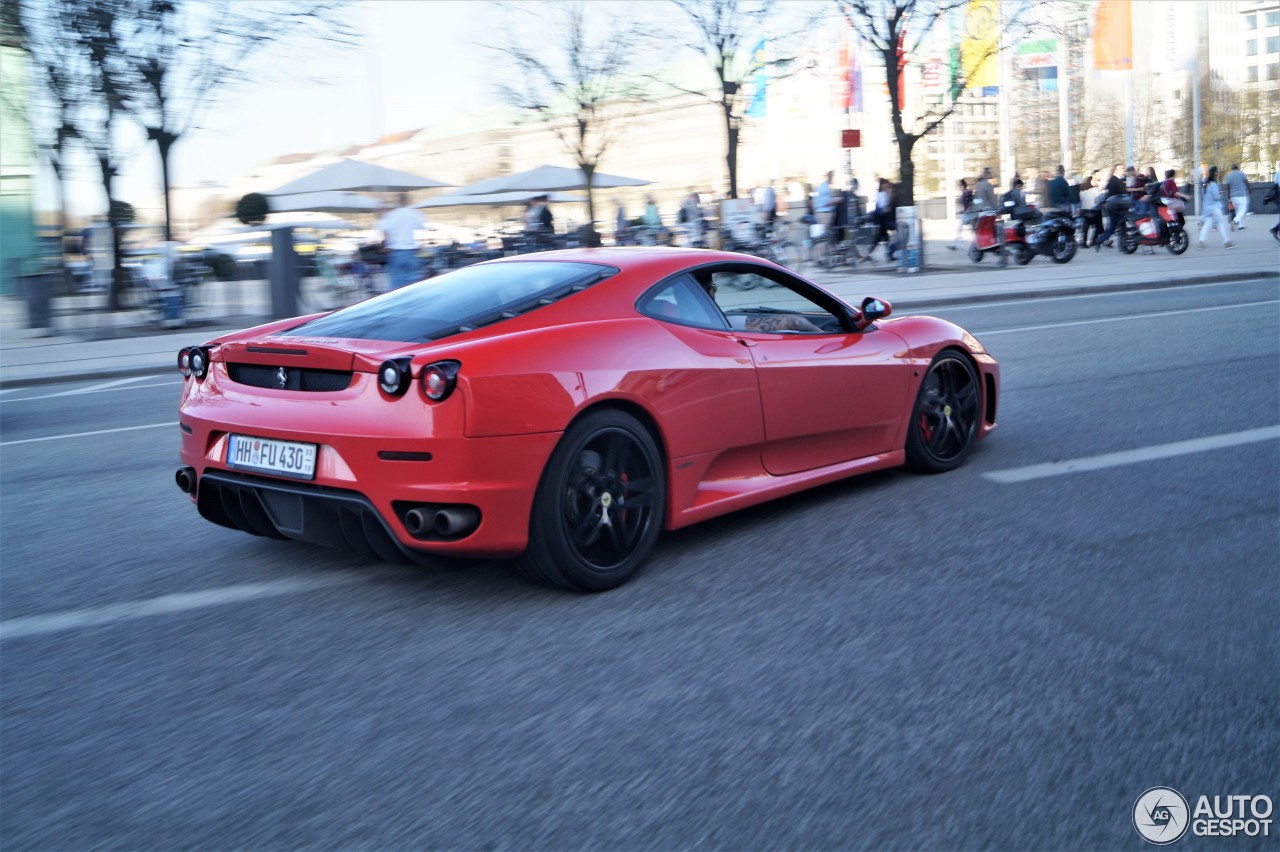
[
  {"x": 399, "y": 238},
  {"x": 1212, "y": 213},
  {"x": 1238, "y": 190},
  {"x": 1060, "y": 196},
  {"x": 1275, "y": 197},
  {"x": 620, "y": 223},
  {"x": 984, "y": 193},
  {"x": 964, "y": 207}
]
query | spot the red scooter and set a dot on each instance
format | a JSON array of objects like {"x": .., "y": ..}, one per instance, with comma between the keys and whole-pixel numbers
[
  {"x": 988, "y": 237},
  {"x": 1143, "y": 229}
]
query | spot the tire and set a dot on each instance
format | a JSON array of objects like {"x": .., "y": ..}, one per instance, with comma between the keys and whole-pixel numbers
[
  {"x": 1022, "y": 253},
  {"x": 1178, "y": 242},
  {"x": 1064, "y": 248},
  {"x": 599, "y": 505},
  {"x": 1127, "y": 238},
  {"x": 975, "y": 253},
  {"x": 945, "y": 416}
]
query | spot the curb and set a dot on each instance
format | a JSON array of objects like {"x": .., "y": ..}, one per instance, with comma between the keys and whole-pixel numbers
[{"x": 916, "y": 304}]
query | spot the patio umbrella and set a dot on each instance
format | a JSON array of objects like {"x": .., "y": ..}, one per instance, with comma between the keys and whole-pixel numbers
[
  {"x": 497, "y": 199},
  {"x": 323, "y": 202},
  {"x": 356, "y": 175},
  {"x": 548, "y": 179}
]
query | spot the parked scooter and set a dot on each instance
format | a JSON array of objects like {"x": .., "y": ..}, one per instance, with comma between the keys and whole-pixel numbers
[
  {"x": 988, "y": 236},
  {"x": 1144, "y": 229}
]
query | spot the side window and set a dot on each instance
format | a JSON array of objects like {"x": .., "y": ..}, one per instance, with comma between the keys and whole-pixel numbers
[
  {"x": 754, "y": 301},
  {"x": 681, "y": 300}
]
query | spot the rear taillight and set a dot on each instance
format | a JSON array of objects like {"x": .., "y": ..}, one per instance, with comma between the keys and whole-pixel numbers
[
  {"x": 194, "y": 361},
  {"x": 439, "y": 379},
  {"x": 394, "y": 376}
]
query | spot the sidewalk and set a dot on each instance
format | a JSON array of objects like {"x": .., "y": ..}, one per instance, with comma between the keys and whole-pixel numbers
[{"x": 77, "y": 350}]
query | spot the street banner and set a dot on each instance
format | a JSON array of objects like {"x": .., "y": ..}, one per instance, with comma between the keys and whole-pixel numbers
[
  {"x": 1113, "y": 36},
  {"x": 853, "y": 68},
  {"x": 1173, "y": 45},
  {"x": 980, "y": 44}
]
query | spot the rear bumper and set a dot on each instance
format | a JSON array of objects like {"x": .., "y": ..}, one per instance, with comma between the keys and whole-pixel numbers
[{"x": 364, "y": 485}]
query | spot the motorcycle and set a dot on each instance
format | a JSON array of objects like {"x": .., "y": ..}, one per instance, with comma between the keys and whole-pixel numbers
[
  {"x": 1144, "y": 229},
  {"x": 1031, "y": 232}
]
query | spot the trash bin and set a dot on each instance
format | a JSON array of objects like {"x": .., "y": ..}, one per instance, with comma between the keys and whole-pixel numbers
[{"x": 36, "y": 289}]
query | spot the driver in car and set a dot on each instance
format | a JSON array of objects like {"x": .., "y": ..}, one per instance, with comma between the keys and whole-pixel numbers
[{"x": 763, "y": 322}]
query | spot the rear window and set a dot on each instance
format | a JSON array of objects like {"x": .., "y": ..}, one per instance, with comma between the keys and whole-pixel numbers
[{"x": 456, "y": 301}]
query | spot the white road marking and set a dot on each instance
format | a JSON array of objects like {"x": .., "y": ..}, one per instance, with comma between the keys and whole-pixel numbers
[
  {"x": 94, "y": 390},
  {"x": 1160, "y": 451},
  {"x": 1038, "y": 300},
  {"x": 169, "y": 425},
  {"x": 76, "y": 619},
  {"x": 981, "y": 334}
]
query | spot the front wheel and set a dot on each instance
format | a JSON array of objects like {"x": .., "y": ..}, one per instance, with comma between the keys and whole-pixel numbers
[
  {"x": 1127, "y": 239},
  {"x": 975, "y": 253},
  {"x": 1064, "y": 248},
  {"x": 1023, "y": 253},
  {"x": 599, "y": 505},
  {"x": 944, "y": 419},
  {"x": 1178, "y": 242}
]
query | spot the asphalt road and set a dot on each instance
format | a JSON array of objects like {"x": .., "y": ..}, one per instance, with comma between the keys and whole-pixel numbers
[{"x": 1005, "y": 656}]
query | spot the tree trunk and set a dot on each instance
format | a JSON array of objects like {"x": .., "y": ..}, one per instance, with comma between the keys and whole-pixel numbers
[
  {"x": 731, "y": 154},
  {"x": 117, "y": 271},
  {"x": 906, "y": 194},
  {"x": 164, "y": 143}
]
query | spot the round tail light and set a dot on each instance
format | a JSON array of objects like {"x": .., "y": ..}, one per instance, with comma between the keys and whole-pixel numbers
[
  {"x": 439, "y": 379},
  {"x": 394, "y": 376},
  {"x": 184, "y": 363}
]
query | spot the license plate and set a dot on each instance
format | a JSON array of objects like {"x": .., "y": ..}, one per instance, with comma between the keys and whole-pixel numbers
[{"x": 283, "y": 458}]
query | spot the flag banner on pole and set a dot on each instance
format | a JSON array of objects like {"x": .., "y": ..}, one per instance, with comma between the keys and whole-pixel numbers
[
  {"x": 759, "y": 80},
  {"x": 980, "y": 44},
  {"x": 854, "y": 79},
  {"x": 1113, "y": 36},
  {"x": 1173, "y": 45}
]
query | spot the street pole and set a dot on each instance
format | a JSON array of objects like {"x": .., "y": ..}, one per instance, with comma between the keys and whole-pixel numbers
[
  {"x": 1195, "y": 111},
  {"x": 1064, "y": 87}
]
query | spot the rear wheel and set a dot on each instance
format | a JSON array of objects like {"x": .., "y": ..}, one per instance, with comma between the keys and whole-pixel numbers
[
  {"x": 599, "y": 505},
  {"x": 1022, "y": 253},
  {"x": 1178, "y": 242},
  {"x": 944, "y": 420},
  {"x": 1064, "y": 248},
  {"x": 975, "y": 253}
]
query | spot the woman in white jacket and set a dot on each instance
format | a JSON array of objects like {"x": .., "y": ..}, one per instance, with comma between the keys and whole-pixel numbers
[{"x": 1211, "y": 214}]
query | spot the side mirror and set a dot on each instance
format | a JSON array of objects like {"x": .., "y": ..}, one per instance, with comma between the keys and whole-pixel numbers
[{"x": 872, "y": 309}]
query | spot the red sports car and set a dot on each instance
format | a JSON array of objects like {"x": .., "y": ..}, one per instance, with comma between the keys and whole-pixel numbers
[{"x": 565, "y": 407}]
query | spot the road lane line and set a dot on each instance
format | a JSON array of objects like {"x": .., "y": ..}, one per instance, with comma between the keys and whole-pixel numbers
[
  {"x": 76, "y": 619},
  {"x": 1159, "y": 451},
  {"x": 102, "y": 386},
  {"x": 169, "y": 425},
  {"x": 1108, "y": 294},
  {"x": 1152, "y": 315},
  {"x": 93, "y": 390}
]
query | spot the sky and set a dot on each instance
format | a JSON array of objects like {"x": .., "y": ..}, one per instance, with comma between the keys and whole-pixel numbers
[{"x": 419, "y": 64}]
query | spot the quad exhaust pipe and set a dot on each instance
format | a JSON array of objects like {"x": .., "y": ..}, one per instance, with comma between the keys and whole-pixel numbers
[
  {"x": 447, "y": 521},
  {"x": 186, "y": 478}
]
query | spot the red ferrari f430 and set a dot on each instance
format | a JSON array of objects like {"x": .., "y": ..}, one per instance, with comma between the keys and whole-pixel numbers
[{"x": 564, "y": 408}]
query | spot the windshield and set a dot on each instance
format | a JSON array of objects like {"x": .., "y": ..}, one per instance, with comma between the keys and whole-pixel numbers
[{"x": 457, "y": 301}]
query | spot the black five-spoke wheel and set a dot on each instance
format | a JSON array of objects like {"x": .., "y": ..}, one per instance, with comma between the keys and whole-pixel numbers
[
  {"x": 944, "y": 421},
  {"x": 599, "y": 505}
]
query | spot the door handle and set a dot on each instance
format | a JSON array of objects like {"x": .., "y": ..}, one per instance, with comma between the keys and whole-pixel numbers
[{"x": 745, "y": 342}]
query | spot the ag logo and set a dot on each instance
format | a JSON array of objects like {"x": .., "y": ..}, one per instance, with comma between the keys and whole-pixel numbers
[{"x": 1160, "y": 815}]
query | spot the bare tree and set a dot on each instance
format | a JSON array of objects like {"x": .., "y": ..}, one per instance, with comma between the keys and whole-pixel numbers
[
  {"x": 61, "y": 71},
  {"x": 895, "y": 29},
  {"x": 578, "y": 80},
  {"x": 181, "y": 53},
  {"x": 725, "y": 33},
  {"x": 96, "y": 28}
]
